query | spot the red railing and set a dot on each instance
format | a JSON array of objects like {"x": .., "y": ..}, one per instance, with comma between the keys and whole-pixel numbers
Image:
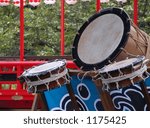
[{"x": 12, "y": 93}]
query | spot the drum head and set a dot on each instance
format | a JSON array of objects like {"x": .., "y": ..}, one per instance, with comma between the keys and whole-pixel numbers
[
  {"x": 122, "y": 64},
  {"x": 100, "y": 38},
  {"x": 44, "y": 68}
]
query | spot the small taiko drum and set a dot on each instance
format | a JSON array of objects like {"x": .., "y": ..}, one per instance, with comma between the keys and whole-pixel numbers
[
  {"x": 107, "y": 36},
  {"x": 46, "y": 76},
  {"x": 51, "y": 81},
  {"x": 124, "y": 80}
]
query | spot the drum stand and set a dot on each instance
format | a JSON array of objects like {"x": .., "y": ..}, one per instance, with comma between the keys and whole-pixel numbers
[
  {"x": 39, "y": 100},
  {"x": 146, "y": 94},
  {"x": 105, "y": 97},
  {"x": 72, "y": 96}
]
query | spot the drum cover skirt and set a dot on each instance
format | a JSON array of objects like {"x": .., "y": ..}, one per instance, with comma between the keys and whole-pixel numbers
[
  {"x": 87, "y": 92},
  {"x": 129, "y": 99},
  {"x": 58, "y": 99}
]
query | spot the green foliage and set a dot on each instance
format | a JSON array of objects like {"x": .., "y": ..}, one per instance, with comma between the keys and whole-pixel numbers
[{"x": 42, "y": 25}]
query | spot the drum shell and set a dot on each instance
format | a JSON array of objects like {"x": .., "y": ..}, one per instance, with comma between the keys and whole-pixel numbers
[
  {"x": 136, "y": 44},
  {"x": 44, "y": 75},
  {"x": 31, "y": 78},
  {"x": 124, "y": 83},
  {"x": 123, "y": 71},
  {"x": 43, "y": 87}
]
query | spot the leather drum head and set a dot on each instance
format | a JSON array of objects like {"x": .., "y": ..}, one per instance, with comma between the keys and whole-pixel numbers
[
  {"x": 44, "y": 68},
  {"x": 123, "y": 64},
  {"x": 100, "y": 38}
]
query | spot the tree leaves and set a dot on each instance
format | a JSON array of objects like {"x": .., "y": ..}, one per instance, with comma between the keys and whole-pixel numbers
[{"x": 42, "y": 25}]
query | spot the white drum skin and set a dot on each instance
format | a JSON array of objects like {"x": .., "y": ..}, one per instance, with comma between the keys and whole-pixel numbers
[{"x": 99, "y": 45}]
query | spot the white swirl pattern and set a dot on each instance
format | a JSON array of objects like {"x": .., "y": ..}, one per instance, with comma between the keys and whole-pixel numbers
[{"x": 129, "y": 99}]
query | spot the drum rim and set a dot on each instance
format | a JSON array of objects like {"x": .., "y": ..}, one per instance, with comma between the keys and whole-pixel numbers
[
  {"x": 139, "y": 60},
  {"x": 119, "y": 12},
  {"x": 27, "y": 74}
]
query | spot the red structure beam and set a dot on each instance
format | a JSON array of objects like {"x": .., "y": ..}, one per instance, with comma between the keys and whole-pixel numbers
[
  {"x": 62, "y": 42},
  {"x": 136, "y": 12},
  {"x": 98, "y": 5},
  {"x": 21, "y": 30}
]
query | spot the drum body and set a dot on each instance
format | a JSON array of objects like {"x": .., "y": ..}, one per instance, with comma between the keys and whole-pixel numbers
[
  {"x": 86, "y": 92},
  {"x": 126, "y": 83},
  {"x": 52, "y": 82},
  {"x": 107, "y": 36},
  {"x": 138, "y": 43},
  {"x": 46, "y": 76}
]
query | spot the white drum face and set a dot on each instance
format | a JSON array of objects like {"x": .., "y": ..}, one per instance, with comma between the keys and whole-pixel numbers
[
  {"x": 119, "y": 65},
  {"x": 100, "y": 39},
  {"x": 46, "y": 67}
]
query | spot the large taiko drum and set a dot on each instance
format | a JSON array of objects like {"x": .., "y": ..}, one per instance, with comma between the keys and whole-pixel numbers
[
  {"x": 125, "y": 82},
  {"x": 107, "y": 36}
]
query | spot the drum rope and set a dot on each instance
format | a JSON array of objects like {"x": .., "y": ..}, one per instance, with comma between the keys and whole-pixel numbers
[
  {"x": 139, "y": 32},
  {"x": 47, "y": 86},
  {"x": 58, "y": 83},
  {"x": 29, "y": 89},
  {"x": 131, "y": 76},
  {"x": 47, "y": 80},
  {"x": 67, "y": 78},
  {"x": 83, "y": 76},
  {"x": 129, "y": 54},
  {"x": 138, "y": 42}
]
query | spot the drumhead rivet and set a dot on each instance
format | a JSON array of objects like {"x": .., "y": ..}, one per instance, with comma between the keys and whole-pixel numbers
[
  {"x": 87, "y": 21},
  {"x": 81, "y": 67},
  {"x": 95, "y": 69},
  {"x": 77, "y": 33}
]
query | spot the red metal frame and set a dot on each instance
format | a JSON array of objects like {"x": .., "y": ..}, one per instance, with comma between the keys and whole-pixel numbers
[
  {"x": 21, "y": 31},
  {"x": 62, "y": 20},
  {"x": 98, "y": 5},
  {"x": 136, "y": 12}
]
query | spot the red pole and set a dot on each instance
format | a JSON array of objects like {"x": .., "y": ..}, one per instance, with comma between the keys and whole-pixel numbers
[
  {"x": 62, "y": 42},
  {"x": 136, "y": 12},
  {"x": 98, "y": 5},
  {"x": 21, "y": 31}
]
